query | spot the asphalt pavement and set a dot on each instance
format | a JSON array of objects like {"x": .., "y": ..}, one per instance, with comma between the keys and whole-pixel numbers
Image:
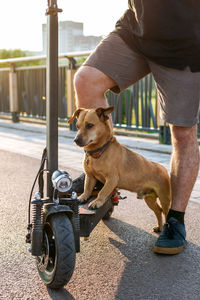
[{"x": 117, "y": 262}]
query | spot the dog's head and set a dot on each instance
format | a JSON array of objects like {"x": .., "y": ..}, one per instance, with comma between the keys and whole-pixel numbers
[{"x": 93, "y": 125}]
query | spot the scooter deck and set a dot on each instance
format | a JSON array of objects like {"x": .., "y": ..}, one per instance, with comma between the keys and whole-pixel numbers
[{"x": 90, "y": 218}]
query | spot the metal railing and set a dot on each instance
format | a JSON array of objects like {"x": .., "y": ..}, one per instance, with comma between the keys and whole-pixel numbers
[
  {"x": 135, "y": 108},
  {"x": 23, "y": 89}
]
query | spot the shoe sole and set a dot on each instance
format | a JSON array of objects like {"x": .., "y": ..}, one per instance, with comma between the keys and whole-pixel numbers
[{"x": 171, "y": 251}]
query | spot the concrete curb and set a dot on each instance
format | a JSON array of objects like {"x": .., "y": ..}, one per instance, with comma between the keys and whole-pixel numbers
[{"x": 141, "y": 143}]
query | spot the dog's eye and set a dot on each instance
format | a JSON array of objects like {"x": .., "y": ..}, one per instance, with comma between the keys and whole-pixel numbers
[{"x": 89, "y": 125}]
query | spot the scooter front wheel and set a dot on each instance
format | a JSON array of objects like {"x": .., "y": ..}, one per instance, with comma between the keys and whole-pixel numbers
[{"x": 56, "y": 264}]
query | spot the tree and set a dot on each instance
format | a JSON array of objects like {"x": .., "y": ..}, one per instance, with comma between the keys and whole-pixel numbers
[{"x": 13, "y": 53}]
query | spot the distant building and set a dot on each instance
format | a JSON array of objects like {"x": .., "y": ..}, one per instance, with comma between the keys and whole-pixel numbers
[{"x": 71, "y": 38}]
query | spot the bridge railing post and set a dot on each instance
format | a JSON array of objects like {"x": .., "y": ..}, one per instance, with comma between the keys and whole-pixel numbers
[
  {"x": 71, "y": 105},
  {"x": 13, "y": 93}
]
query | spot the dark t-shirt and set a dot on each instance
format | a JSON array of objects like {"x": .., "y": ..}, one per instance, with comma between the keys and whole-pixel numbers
[{"x": 165, "y": 31}]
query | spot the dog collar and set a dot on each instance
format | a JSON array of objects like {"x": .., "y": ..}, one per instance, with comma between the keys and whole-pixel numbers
[{"x": 98, "y": 152}]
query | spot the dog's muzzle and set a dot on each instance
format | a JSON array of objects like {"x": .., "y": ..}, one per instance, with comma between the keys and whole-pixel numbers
[{"x": 79, "y": 141}]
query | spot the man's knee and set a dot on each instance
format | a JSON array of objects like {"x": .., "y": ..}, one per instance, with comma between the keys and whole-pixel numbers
[
  {"x": 88, "y": 78},
  {"x": 93, "y": 80},
  {"x": 81, "y": 79},
  {"x": 183, "y": 134}
]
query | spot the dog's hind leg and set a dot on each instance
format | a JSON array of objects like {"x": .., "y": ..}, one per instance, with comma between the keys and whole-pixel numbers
[
  {"x": 165, "y": 201},
  {"x": 151, "y": 201}
]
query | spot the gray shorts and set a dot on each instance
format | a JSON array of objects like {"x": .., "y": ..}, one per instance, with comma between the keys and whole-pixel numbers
[{"x": 178, "y": 91}]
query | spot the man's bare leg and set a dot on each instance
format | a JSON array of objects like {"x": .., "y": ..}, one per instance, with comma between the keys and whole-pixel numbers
[
  {"x": 184, "y": 165},
  {"x": 90, "y": 87},
  {"x": 184, "y": 170}
]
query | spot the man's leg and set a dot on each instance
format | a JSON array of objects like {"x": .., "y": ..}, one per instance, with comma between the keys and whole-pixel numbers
[
  {"x": 184, "y": 165},
  {"x": 184, "y": 171},
  {"x": 179, "y": 96}
]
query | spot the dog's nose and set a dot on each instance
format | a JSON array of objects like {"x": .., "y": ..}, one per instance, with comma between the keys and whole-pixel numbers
[{"x": 78, "y": 140}]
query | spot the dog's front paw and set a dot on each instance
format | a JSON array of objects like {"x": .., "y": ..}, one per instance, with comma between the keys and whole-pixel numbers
[
  {"x": 83, "y": 198},
  {"x": 96, "y": 204}
]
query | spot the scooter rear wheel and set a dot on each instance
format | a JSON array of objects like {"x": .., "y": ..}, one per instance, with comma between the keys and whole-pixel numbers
[{"x": 56, "y": 264}]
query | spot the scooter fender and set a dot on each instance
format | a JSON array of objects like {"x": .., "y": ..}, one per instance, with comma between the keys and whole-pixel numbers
[{"x": 51, "y": 209}]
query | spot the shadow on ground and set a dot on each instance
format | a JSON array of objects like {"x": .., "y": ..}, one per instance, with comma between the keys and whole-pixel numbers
[
  {"x": 151, "y": 276},
  {"x": 60, "y": 294}
]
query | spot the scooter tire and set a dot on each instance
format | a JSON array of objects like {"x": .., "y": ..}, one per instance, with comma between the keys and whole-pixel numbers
[{"x": 57, "y": 263}]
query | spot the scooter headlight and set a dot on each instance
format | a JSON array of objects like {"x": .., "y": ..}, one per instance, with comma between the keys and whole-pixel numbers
[{"x": 62, "y": 181}]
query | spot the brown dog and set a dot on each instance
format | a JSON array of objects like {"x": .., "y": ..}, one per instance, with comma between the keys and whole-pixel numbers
[{"x": 116, "y": 166}]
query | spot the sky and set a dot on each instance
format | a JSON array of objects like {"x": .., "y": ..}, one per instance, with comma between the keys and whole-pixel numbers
[{"x": 21, "y": 20}]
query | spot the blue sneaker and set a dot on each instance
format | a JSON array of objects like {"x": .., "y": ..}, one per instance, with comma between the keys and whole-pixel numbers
[{"x": 172, "y": 239}]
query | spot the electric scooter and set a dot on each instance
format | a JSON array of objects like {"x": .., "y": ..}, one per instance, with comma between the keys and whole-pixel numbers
[{"x": 56, "y": 220}]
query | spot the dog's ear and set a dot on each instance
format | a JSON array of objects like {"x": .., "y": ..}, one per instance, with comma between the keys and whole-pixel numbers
[
  {"x": 103, "y": 112},
  {"x": 75, "y": 115}
]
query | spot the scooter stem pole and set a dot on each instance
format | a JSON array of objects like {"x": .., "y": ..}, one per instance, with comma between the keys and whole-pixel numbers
[{"x": 52, "y": 92}]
